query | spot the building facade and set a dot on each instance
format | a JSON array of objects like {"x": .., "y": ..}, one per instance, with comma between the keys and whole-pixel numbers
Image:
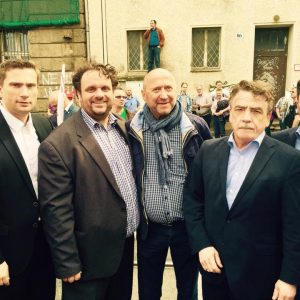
[{"x": 206, "y": 40}]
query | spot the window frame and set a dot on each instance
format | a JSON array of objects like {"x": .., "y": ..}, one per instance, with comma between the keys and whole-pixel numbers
[
  {"x": 143, "y": 56},
  {"x": 205, "y": 68},
  {"x": 17, "y": 51}
]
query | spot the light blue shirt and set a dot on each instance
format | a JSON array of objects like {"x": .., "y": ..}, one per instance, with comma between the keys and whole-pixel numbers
[
  {"x": 240, "y": 161},
  {"x": 132, "y": 104}
]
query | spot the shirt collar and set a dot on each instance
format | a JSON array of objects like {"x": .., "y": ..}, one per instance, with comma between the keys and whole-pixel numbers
[
  {"x": 68, "y": 106},
  {"x": 257, "y": 141},
  {"x": 14, "y": 123},
  {"x": 111, "y": 118}
]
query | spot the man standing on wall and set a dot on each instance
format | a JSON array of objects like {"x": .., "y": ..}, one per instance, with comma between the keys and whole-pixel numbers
[{"x": 155, "y": 39}]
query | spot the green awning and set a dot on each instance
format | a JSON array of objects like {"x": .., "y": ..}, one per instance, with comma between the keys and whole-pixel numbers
[{"x": 16, "y": 14}]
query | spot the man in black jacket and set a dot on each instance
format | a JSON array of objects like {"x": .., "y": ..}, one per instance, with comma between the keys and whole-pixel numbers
[
  {"x": 241, "y": 206},
  {"x": 26, "y": 270}
]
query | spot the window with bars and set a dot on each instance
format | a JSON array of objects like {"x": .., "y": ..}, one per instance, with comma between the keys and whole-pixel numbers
[
  {"x": 137, "y": 50},
  {"x": 206, "y": 48},
  {"x": 13, "y": 44}
]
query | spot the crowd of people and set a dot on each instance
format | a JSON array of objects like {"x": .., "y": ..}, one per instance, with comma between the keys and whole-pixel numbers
[{"x": 73, "y": 196}]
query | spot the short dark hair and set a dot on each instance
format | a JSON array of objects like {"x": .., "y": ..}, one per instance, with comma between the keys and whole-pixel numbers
[
  {"x": 154, "y": 21},
  {"x": 16, "y": 64},
  {"x": 182, "y": 83},
  {"x": 219, "y": 81},
  {"x": 257, "y": 88},
  {"x": 107, "y": 70}
]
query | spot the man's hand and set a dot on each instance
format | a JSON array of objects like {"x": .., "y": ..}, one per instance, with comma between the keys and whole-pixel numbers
[
  {"x": 210, "y": 260},
  {"x": 4, "y": 274},
  {"x": 72, "y": 278},
  {"x": 284, "y": 291}
]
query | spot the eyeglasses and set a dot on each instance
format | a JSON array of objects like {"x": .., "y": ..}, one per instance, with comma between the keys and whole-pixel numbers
[{"x": 121, "y": 97}]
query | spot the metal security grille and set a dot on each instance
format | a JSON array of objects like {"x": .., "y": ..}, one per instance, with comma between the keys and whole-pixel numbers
[
  {"x": 137, "y": 51},
  {"x": 206, "y": 47},
  {"x": 13, "y": 44}
]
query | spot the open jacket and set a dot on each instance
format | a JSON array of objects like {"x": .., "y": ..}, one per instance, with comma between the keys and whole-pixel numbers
[{"x": 194, "y": 131}]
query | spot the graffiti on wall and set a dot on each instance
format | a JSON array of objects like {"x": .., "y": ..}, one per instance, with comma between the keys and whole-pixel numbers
[{"x": 50, "y": 81}]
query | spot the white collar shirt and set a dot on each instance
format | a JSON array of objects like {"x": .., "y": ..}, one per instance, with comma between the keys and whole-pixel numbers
[{"x": 28, "y": 143}]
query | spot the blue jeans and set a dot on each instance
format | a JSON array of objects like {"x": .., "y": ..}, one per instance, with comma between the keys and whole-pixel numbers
[
  {"x": 152, "y": 253},
  {"x": 219, "y": 126},
  {"x": 153, "y": 58}
]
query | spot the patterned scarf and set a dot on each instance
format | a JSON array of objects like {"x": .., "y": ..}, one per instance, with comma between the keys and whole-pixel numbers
[{"x": 160, "y": 129}]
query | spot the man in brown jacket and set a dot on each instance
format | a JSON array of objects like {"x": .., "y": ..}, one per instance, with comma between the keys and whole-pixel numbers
[{"x": 155, "y": 39}]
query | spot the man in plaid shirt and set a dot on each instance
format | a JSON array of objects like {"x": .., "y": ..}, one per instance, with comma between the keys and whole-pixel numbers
[{"x": 165, "y": 140}]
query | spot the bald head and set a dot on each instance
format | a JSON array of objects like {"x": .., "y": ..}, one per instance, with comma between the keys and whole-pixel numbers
[
  {"x": 158, "y": 73},
  {"x": 159, "y": 92}
]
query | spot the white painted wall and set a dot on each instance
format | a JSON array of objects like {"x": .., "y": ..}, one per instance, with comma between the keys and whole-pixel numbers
[{"x": 109, "y": 20}]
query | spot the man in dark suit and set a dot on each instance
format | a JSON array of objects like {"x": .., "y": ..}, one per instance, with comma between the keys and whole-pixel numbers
[
  {"x": 291, "y": 136},
  {"x": 88, "y": 195},
  {"x": 241, "y": 206},
  {"x": 26, "y": 270}
]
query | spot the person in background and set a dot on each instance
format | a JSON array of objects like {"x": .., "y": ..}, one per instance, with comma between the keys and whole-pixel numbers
[
  {"x": 219, "y": 88},
  {"x": 155, "y": 39},
  {"x": 132, "y": 103},
  {"x": 202, "y": 105},
  {"x": 118, "y": 105},
  {"x": 291, "y": 136},
  {"x": 282, "y": 107},
  {"x": 185, "y": 99},
  {"x": 69, "y": 106},
  {"x": 26, "y": 267},
  {"x": 219, "y": 114}
]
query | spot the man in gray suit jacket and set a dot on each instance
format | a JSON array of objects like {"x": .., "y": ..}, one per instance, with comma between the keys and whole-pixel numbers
[
  {"x": 242, "y": 206},
  {"x": 88, "y": 194}
]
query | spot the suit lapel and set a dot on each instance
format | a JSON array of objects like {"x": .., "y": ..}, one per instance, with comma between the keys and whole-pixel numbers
[
  {"x": 223, "y": 157},
  {"x": 293, "y": 137},
  {"x": 41, "y": 131},
  {"x": 11, "y": 146},
  {"x": 264, "y": 153},
  {"x": 88, "y": 141}
]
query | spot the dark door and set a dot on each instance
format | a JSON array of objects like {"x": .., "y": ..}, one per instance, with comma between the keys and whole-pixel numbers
[{"x": 270, "y": 57}]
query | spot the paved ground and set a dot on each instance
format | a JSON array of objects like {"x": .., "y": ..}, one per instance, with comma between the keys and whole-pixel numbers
[{"x": 169, "y": 291}]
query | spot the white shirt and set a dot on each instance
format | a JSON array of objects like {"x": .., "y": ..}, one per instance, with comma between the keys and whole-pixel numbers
[{"x": 27, "y": 141}]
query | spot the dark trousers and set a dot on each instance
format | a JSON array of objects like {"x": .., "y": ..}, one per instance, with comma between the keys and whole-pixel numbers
[
  {"x": 37, "y": 282},
  {"x": 152, "y": 254},
  {"x": 219, "y": 126},
  {"x": 118, "y": 286},
  {"x": 215, "y": 287},
  {"x": 153, "y": 58},
  {"x": 207, "y": 119}
]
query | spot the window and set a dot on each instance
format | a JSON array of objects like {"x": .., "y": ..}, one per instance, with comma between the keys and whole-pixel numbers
[
  {"x": 13, "y": 44},
  {"x": 206, "y": 48},
  {"x": 137, "y": 51}
]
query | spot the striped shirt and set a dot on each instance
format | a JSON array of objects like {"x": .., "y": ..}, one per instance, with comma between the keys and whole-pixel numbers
[{"x": 117, "y": 154}]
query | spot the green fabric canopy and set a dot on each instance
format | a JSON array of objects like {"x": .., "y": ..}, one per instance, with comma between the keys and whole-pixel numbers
[{"x": 15, "y": 14}]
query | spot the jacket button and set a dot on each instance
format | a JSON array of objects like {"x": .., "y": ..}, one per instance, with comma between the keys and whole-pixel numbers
[
  {"x": 35, "y": 204},
  {"x": 35, "y": 225}
]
